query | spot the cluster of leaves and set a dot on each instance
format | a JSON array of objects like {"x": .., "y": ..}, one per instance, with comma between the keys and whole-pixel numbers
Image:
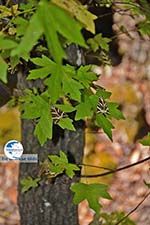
[
  {"x": 67, "y": 88},
  {"x": 63, "y": 84},
  {"x": 99, "y": 42},
  {"x": 36, "y": 18},
  {"x": 50, "y": 168},
  {"x": 59, "y": 165}
]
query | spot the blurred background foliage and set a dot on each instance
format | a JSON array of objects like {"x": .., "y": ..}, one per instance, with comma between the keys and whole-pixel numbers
[{"x": 10, "y": 127}]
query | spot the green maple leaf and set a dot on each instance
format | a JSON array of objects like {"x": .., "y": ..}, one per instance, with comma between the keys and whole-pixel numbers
[
  {"x": 28, "y": 183},
  {"x": 105, "y": 124},
  {"x": 99, "y": 42},
  {"x": 86, "y": 76},
  {"x": 84, "y": 109},
  {"x": 65, "y": 107},
  {"x": 70, "y": 169},
  {"x": 54, "y": 83},
  {"x": 90, "y": 192},
  {"x": 114, "y": 111},
  {"x": 57, "y": 21},
  {"x": 60, "y": 164},
  {"x": 87, "y": 107},
  {"x": 103, "y": 93},
  {"x": 61, "y": 81},
  {"x": 21, "y": 25},
  {"x": 50, "y": 31},
  {"x": 59, "y": 159},
  {"x": 35, "y": 29},
  {"x": 64, "y": 24},
  {"x": 34, "y": 107},
  {"x": 48, "y": 66},
  {"x": 6, "y": 43},
  {"x": 43, "y": 129},
  {"x": 51, "y": 21},
  {"x": 66, "y": 123},
  {"x": 72, "y": 87}
]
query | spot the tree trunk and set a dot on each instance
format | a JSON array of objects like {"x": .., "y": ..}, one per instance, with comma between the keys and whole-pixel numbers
[{"x": 49, "y": 204}]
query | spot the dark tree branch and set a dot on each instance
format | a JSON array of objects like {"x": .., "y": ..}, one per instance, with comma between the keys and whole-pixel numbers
[
  {"x": 99, "y": 167},
  {"x": 116, "y": 170}
]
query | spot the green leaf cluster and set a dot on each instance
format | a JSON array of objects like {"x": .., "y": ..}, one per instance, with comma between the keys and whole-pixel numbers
[
  {"x": 99, "y": 42},
  {"x": 31, "y": 22},
  {"x": 48, "y": 25},
  {"x": 52, "y": 22},
  {"x": 62, "y": 80},
  {"x": 60, "y": 164}
]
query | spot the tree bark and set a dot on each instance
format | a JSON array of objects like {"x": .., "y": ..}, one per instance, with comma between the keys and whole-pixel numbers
[{"x": 49, "y": 204}]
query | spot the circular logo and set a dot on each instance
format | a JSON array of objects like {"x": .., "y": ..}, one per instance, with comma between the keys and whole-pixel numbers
[{"x": 13, "y": 149}]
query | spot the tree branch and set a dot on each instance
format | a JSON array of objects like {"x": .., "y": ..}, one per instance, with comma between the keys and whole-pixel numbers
[
  {"x": 116, "y": 170},
  {"x": 134, "y": 209},
  {"x": 99, "y": 167}
]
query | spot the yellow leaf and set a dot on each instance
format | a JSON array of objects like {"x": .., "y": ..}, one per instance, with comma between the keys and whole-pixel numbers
[{"x": 77, "y": 10}]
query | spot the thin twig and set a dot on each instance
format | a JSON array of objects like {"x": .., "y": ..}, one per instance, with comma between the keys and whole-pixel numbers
[
  {"x": 99, "y": 167},
  {"x": 134, "y": 209},
  {"x": 116, "y": 170}
]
